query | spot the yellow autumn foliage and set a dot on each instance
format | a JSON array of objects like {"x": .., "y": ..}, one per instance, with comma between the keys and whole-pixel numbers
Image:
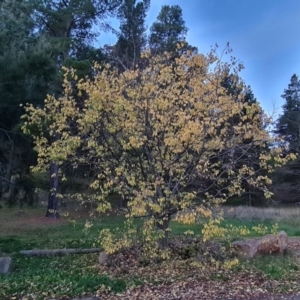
[{"x": 163, "y": 137}]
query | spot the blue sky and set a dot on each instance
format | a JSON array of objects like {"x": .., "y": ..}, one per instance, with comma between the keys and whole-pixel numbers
[{"x": 264, "y": 35}]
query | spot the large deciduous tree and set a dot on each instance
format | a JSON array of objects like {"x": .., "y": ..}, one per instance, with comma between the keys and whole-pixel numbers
[{"x": 161, "y": 136}]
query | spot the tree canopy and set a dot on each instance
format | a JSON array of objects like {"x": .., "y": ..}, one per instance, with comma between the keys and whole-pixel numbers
[
  {"x": 39, "y": 38},
  {"x": 168, "y": 30},
  {"x": 161, "y": 136}
]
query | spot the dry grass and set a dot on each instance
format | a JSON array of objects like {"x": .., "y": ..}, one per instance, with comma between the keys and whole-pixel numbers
[
  {"x": 17, "y": 221},
  {"x": 262, "y": 213}
]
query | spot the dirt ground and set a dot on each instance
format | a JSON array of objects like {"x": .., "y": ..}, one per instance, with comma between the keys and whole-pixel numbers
[{"x": 23, "y": 221}]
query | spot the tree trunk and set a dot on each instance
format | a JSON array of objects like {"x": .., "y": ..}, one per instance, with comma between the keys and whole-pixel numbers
[
  {"x": 52, "y": 210},
  {"x": 12, "y": 186},
  {"x": 1, "y": 180},
  {"x": 9, "y": 168},
  {"x": 163, "y": 225}
]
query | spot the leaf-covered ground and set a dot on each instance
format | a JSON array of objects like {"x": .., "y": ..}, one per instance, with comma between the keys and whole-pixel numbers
[
  {"x": 264, "y": 278},
  {"x": 273, "y": 277},
  {"x": 239, "y": 287},
  {"x": 179, "y": 282},
  {"x": 127, "y": 277}
]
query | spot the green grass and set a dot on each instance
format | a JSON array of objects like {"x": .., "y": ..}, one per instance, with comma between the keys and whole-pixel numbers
[
  {"x": 274, "y": 267},
  {"x": 70, "y": 275},
  {"x": 73, "y": 275},
  {"x": 178, "y": 228},
  {"x": 290, "y": 226}
]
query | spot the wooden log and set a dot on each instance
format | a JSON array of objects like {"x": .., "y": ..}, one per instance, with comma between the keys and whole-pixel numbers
[{"x": 50, "y": 252}]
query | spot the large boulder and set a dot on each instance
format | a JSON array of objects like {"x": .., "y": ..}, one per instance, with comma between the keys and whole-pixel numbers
[
  {"x": 268, "y": 244},
  {"x": 5, "y": 265}
]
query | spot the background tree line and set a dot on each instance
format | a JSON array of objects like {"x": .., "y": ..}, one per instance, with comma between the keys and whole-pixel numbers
[{"x": 39, "y": 37}]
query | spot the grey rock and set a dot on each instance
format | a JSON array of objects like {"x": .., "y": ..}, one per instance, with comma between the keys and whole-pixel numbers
[
  {"x": 268, "y": 244},
  {"x": 5, "y": 264},
  {"x": 103, "y": 257}
]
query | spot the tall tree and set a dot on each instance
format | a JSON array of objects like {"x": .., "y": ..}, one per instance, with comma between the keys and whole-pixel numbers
[
  {"x": 26, "y": 72},
  {"x": 288, "y": 124},
  {"x": 168, "y": 30},
  {"x": 69, "y": 23},
  {"x": 243, "y": 94},
  {"x": 69, "y": 26},
  {"x": 288, "y": 129},
  {"x": 132, "y": 38},
  {"x": 26, "y": 63}
]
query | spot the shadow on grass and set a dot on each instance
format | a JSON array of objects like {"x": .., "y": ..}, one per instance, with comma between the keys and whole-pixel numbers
[{"x": 69, "y": 275}]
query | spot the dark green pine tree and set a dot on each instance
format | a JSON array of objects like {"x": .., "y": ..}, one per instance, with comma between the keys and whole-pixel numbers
[
  {"x": 242, "y": 93},
  {"x": 288, "y": 124},
  {"x": 26, "y": 72},
  {"x": 132, "y": 38},
  {"x": 168, "y": 30},
  {"x": 26, "y": 65},
  {"x": 69, "y": 22},
  {"x": 235, "y": 86}
]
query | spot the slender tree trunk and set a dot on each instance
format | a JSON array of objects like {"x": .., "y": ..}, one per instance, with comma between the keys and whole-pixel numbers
[
  {"x": 52, "y": 210},
  {"x": 1, "y": 181},
  {"x": 9, "y": 168},
  {"x": 164, "y": 225},
  {"x": 250, "y": 197}
]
